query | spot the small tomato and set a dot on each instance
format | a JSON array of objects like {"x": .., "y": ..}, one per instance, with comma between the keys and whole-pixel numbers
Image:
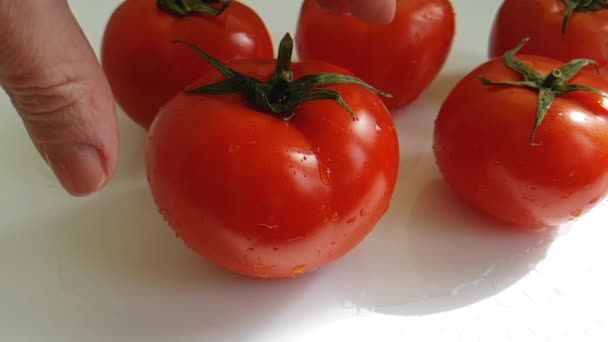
[
  {"x": 526, "y": 139},
  {"x": 559, "y": 29},
  {"x": 144, "y": 69},
  {"x": 402, "y": 57},
  {"x": 273, "y": 179}
]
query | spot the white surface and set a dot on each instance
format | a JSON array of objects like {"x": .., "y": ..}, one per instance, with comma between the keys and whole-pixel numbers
[{"x": 106, "y": 268}]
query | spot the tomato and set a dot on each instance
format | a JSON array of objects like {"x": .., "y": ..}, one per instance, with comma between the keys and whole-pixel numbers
[
  {"x": 585, "y": 33},
  {"x": 488, "y": 149},
  {"x": 401, "y": 58},
  {"x": 145, "y": 69},
  {"x": 272, "y": 196}
]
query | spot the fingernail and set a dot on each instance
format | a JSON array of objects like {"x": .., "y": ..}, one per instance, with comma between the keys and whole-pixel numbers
[{"x": 78, "y": 167}]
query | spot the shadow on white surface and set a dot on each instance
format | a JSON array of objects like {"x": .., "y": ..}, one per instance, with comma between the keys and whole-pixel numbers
[
  {"x": 111, "y": 270},
  {"x": 431, "y": 253}
]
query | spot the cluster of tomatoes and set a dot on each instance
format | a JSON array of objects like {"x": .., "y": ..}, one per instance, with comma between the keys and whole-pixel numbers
[{"x": 271, "y": 168}]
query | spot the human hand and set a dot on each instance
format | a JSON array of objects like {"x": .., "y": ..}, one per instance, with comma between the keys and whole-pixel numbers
[
  {"x": 55, "y": 83},
  {"x": 372, "y": 11},
  {"x": 52, "y": 76}
]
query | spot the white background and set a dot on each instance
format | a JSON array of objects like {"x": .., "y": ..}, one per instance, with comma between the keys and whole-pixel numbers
[{"x": 106, "y": 268}]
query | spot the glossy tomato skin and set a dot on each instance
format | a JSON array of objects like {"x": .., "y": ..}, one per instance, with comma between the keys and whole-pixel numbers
[
  {"x": 145, "y": 69},
  {"x": 401, "y": 58},
  {"x": 482, "y": 147},
  {"x": 541, "y": 21},
  {"x": 266, "y": 197}
]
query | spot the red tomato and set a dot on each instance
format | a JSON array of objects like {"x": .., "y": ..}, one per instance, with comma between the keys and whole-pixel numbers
[
  {"x": 401, "y": 58},
  {"x": 145, "y": 69},
  {"x": 483, "y": 148},
  {"x": 270, "y": 197},
  {"x": 585, "y": 36}
]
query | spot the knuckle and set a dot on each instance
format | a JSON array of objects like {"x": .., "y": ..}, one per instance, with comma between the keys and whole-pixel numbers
[
  {"x": 49, "y": 111},
  {"x": 40, "y": 100}
]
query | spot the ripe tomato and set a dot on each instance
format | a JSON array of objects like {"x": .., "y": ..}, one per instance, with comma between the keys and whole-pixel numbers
[
  {"x": 489, "y": 151},
  {"x": 401, "y": 58},
  {"x": 270, "y": 196},
  {"x": 585, "y": 34},
  {"x": 145, "y": 70}
]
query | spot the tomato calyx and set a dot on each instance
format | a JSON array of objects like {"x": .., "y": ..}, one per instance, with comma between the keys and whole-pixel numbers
[
  {"x": 281, "y": 95},
  {"x": 183, "y": 8},
  {"x": 580, "y": 6},
  {"x": 549, "y": 86}
]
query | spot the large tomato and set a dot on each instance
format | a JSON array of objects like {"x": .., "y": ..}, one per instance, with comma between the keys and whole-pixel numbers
[
  {"x": 401, "y": 58},
  {"x": 269, "y": 195},
  {"x": 489, "y": 151},
  {"x": 145, "y": 70},
  {"x": 585, "y": 31}
]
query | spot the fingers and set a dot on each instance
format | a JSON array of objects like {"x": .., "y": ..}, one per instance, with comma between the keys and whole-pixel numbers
[
  {"x": 371, "y": 11},
  {"x": 52, "y": 76}
]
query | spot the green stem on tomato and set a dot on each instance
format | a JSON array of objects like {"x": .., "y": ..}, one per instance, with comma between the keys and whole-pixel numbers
[
  {"x": 282, "y": 95},
  {"x": 548, "y": 86},
  {"x": 580, "y": 6},
  {"x": 182, "y": 8}
]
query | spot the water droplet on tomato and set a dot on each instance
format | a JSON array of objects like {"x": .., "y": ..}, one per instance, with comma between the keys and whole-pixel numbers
[
  {"x": 572, "y": 173},
  {"x": 325, "y": 175},
  {"x": 351, "y": 220},
  {"x": 587, "y": 186},
  {"x": 566, "y": 196},
  {"x": 378, "y": 128},
  {"x": 497, "y": 163},
  {"x": 335, "y": 217},
  {"x": 333, "y": 243},
  {"x": 234, "y": 148},
  {"x": 576, "y": 213},
  {"x": 363, "y": 212},
  {"x": 275, "y": 249},
  {"x": 250, "y": 249},
  {"x": 290, "y": 165},
  {"x": 299, "y": 270},
  {"x": 595, "y": 200}
]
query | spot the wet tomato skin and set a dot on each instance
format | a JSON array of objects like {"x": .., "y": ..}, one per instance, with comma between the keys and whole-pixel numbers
[
  {"x": 482, "y": 147},
  {"x": 268, "y": 197}
]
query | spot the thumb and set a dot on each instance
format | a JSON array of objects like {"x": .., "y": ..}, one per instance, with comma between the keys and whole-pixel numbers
[{"x": 53, "y": 79}]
